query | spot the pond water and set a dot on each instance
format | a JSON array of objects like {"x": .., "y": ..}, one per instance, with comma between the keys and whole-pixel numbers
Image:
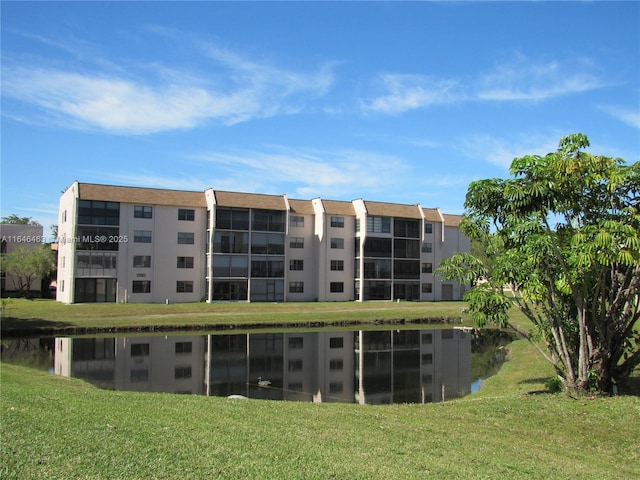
[{"x": 365, "y": 366}]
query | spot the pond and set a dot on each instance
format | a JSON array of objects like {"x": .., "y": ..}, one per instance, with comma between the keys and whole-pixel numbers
[{"x": 363, "y": 366}]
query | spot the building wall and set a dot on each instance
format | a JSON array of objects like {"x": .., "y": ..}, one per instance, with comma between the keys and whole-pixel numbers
[
  {"x": 323, "y": 269},
  {"x": 307, "y": 277}
]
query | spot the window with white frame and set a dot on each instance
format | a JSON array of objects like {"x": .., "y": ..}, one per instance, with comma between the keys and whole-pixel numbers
[
  {"x": 142, "y": 211},
  {"x": 337, "y": 222},
  {"x": 296, "y": 287},
  {"x": 296, "y": 221},
  {"x": 296, "y": 242}
]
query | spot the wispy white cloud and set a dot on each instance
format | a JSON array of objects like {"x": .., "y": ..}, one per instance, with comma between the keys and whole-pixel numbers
[
  {"x": 159, "y": 98},
  {"x": 502, "y": 151},
  {"x": 409, "y": 92},
  {"x": 331, "y": 174},
  {"x": 525, "y": 79},
  {"x": 630, "y": 116},
  {"x": 520, "y": 79}
]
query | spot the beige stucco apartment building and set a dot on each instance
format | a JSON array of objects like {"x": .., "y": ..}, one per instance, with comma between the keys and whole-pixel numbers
[{"x": 130, "y": 244}]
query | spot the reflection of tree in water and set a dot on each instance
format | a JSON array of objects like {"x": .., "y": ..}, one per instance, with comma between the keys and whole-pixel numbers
[
  {"x": 489, "y": 351},
  {"x": 30, "y": 352}
]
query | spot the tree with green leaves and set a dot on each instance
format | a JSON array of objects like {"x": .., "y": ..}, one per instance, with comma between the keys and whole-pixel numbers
[
  {"x": 14, "y": 219},
  {"x": 564, "y": 235},
  {"x": 25, "y": 265}
]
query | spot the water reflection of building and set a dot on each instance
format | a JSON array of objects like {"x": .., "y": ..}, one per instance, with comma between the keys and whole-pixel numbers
[
  {"x": 151, "y": 364},
  {"x": 297, "y": 366},
  {"x": 400, "y": 366},
  {"x": 412, "y": 366}
]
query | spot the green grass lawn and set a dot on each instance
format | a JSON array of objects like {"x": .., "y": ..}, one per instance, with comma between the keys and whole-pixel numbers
[
  {"x": 20, "y": 315},
  {"x": 55, "y": 427},
  {"x": 59, "y": 428}
]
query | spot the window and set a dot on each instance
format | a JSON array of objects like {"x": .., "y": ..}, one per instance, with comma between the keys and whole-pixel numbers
[
  {"x": 377, "y": 247},
  {"x": 337, "y": 243},
  {"x": 295, "y": 365},
  {"x": 428, "y": 228},
  {"x": 140, "y": 350},
  {"x": 139, "y": 375},
  {"x": 182, "y": 372},
  {"x": 266, "y": 267},
  {"x": 96, "y": 212},
  {"x": 337, "y": 265},
  {"x": 186, "y": 214},
  {"x": 296, "y": 265},
  {"x": 336, "y": 364},
  {"x": 406, "y": 248},
  {"x": 141, "y": 261},
  {"x": 406, "y": 227},
  {"x": 336, "y": 287},
  {"x": 296, "y": 242},
  {"x": 184, "y": 286},
  {"x": 337, "y": 222},
  {"x": 427, "y": 247},
  {"x": 141, "y": 286},
  {"x": 335, "y": 387},
  {"x": 427, "y": 338},
  {"x": 183, "y": 347},
  {"x": 427, "y": 268},
  {"x": 231, "y": 242},
  {"x": 230, "y": 266},
  {"x": 185, "y": 262},
  {"x": 268, "y": 220},
  {"x": 267, "y": 243},
  {"x": 427, "y": 287},
  {"x": 296, "y": 287},
  {"x": 379, "y": 224},
  {"x": 296, "y": 221},
  {"x": 296, "y": 343},
  {"x": 427, "y": 358},
  {"x": 186, "y": 238},
  {"x": 232, "y": 218},
  {"x": 141, "y": 211},
  {"x": 336, "y": 342},
  {"x": 142, "y": 236}
]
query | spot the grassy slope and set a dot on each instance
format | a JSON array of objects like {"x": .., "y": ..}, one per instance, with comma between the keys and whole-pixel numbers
[
  {"x": 55, "y": 427},
  {"x": 35, "y": 314}
]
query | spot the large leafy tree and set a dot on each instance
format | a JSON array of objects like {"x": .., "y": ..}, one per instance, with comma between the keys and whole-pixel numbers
[
  {"x": 27, "y": 264},
  {"x": 14, "y": 219},
  {"x": 564, "y": 234}
]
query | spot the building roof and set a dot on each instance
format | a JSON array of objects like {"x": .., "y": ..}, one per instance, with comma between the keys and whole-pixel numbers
[
  {"x": 452, "y": 220},
  {"x": 432, "y": 215},
  {"x": 140, "y": 195},
  {"x": 337, "y": 207},
  {"x": 393, "y": 210},
  {"x": 185, "y": 198},
  {"x": 250, "y": 200},
  {"x": 303, "y": 207}
]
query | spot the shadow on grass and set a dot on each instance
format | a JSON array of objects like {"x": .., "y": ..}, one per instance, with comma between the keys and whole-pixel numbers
[
  {"x": 533, "y": 380},
  {"x": 21, "y": 327}
]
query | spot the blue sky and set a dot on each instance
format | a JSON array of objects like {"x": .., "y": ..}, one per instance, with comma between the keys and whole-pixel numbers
[{"x": 402, "y": 102}]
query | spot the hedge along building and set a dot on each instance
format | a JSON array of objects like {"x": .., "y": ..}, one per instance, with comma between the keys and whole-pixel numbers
[{"x": 131, "y": 244}]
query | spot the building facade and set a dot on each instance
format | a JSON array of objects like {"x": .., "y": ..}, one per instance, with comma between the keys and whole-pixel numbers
[{"x": 130, "y": 244}]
